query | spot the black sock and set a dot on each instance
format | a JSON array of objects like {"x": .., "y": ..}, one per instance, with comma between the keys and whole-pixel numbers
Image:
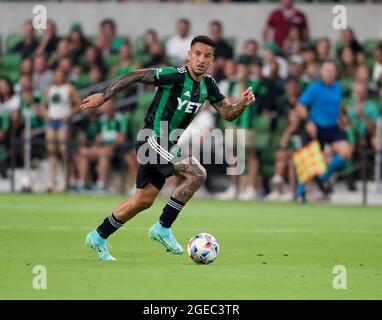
[
  {"x": 109, "y": 226},
  {"x": 170, "y": 212}
]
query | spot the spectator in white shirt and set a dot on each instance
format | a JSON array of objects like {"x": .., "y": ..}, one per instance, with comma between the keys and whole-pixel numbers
[
  {"x": 178, "y": 45},
  {"x": 9, "y": 101}
]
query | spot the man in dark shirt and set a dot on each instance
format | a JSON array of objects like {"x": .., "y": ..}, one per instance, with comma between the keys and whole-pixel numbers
[
  {"x": 223, "y": 51},
  {"x": 49, "y": 40},
  {"x": 28, "y": 45}
]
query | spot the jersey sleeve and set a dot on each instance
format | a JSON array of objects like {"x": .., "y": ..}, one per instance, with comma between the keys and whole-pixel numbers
[
  {"x": 166, "y": 76},
  {"x": 214, "y": 93}
]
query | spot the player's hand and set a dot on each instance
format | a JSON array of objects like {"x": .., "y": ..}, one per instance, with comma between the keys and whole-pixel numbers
[
  {"x": 247, "y": 97},
  {"x": 94, "y": 101}
]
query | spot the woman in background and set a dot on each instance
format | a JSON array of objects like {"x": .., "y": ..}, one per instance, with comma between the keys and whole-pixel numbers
[{"x": 60, "y": 103}]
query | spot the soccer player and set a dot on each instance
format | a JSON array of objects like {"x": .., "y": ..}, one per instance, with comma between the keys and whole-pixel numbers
[
  {"x": 319, "y": 106},
  {"x": 181, "y": 92}
]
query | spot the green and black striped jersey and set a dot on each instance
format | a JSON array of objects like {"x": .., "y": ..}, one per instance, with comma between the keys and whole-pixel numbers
[{"x": 178, "y": 99}]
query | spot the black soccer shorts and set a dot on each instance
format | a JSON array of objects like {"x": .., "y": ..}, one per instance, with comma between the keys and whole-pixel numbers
[{"x": 156, "y": 162}]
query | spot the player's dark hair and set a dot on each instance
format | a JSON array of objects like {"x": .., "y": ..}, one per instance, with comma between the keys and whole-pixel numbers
[{"x": 203, "y": 39}]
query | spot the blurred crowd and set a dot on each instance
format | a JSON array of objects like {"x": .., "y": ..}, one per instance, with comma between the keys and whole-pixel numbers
[{"x": 42, "y": 77}]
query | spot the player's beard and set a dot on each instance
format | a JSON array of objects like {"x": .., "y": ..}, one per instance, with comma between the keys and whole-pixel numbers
[{"x": 198, "y": 72}]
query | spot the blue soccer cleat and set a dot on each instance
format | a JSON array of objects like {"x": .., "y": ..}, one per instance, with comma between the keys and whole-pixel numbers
[
  {"x": 165, "y": 237},
  {"x": 99, "y": 245}
]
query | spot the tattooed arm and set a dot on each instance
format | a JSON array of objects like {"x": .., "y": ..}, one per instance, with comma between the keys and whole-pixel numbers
[
  {"x": 142, "y": 75},
  {"x": 97, "y": 99},
  {"x": 230, "y": 111}
]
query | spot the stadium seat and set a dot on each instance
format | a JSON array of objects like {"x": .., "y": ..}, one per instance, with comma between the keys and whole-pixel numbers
[
  {"x": 13, "y": 75},
  {"x": 138, "y": 46},
  {"x": 10, "y": 61},
  {"x": 262, "y": 139},
  {"x": 82, "y": 61},
  {"x": 112, "y": 60},
  {"x": 338, "y": 47},
  {"x": 347, "y": 87},
  {"x": 138, "y": 50},
  {"x": 346, "y": 102},
  {"x": 12, "y": 40},
  {"x": 281, "y": 123},
  {"x": 142, "y": 58},
  {"x": 164, "y": 40},
  {"x": 370, "y": 63},
  {"x": 83, "y": 81},
  {"x": 91, "y": 39},
  {"x": 267, "y": 160},
  {"x": 138, "y": 115},
  {"x": 369, "y": 45},
  {"x": 3, "y": 152},
  {"x": 231, "y": 41},
  {"x": 263, "y": 123}
]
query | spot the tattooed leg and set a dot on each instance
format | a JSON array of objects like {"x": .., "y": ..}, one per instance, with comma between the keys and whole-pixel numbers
[{"x": 193, "y": 176}]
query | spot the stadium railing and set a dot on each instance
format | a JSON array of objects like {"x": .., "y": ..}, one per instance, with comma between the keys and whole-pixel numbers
[
  {"x": 32, "y": 135},
  {"x": 378, "y": 156}
]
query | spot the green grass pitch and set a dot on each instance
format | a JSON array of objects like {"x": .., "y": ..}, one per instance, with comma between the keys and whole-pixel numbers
[{"x": 268, "y": 251}]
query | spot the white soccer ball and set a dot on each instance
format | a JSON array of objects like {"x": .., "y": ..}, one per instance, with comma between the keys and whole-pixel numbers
[{"x": 203, "y": 248}]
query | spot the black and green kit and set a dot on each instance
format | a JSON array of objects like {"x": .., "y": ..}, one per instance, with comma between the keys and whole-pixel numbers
[
  {"x": 178, "y": 98},
  {"x": 175, "y": 104}
]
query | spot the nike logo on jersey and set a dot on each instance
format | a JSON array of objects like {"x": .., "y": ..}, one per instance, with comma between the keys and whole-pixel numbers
[
  {"x": 189, "y": 106},
  {"x": 187, "y": 94}
]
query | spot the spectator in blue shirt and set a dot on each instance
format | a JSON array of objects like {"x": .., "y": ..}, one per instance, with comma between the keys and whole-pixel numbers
[{"x": 320, "y": 107}]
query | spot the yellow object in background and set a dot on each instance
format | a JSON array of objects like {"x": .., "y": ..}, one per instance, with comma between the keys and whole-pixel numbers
[{"x": 309, "y": 161}]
